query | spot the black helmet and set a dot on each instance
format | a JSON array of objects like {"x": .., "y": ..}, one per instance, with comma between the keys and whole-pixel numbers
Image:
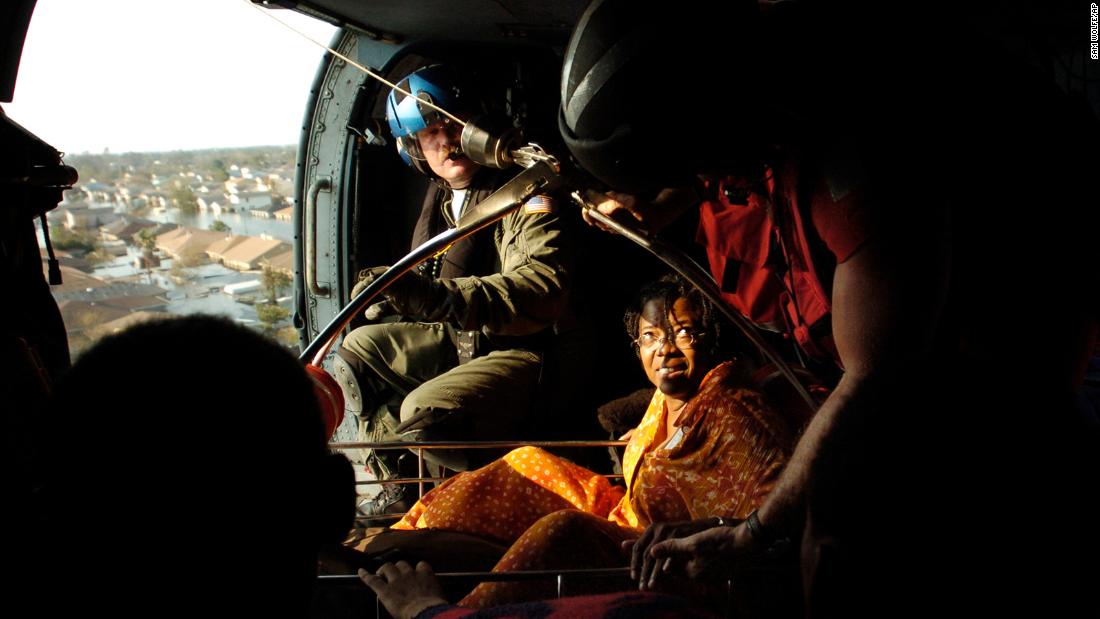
[{"x": 642, "y": 106}]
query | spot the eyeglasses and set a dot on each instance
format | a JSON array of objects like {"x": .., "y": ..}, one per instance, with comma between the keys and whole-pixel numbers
[{"x": 684, "y": 339}]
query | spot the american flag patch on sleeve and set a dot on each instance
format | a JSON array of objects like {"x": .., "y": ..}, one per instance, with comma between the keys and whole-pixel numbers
[{"x": 539, "y": 204}]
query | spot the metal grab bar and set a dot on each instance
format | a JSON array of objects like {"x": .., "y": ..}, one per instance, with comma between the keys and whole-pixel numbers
[
  {"x": 421, "y": 480},
  {"x": 323, "y": 183},
  {"x": 701, "y": 279},
  {"x": 539, "y": 178},
  {"x": 475, "y": 444},
  {"x": 524, "y": 575},
  {"x": 504, "y": 576},
  {"x": 420, "y": 447},
  {"x": 533, "y": 575}
]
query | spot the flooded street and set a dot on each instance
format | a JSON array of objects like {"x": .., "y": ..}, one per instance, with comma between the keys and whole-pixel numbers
[
  {"x": 99, "y": 224},
  {"x": 200, "y": 292},
  {"x": 242, "y": 224}
]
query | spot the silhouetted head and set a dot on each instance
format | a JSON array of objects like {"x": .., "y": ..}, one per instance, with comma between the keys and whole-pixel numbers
[
  {"x": 652, "y": 94},
  {"x": 189, "y": 469}
]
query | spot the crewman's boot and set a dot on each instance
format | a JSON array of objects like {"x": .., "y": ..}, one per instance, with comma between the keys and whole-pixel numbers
[
  {"x": 360, "y": 398},
  {"x": 347, "y": 368},
  {"x": 391, "y": 498}
]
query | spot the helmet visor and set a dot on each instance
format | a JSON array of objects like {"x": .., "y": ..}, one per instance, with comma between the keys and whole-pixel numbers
[{"x": 443, "y": 135}]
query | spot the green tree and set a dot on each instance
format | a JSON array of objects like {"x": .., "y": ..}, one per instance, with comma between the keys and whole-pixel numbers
[
  {"x": 179, "y": 272},
  {"x": 219, "y": 171},
  {"x": 258, "y": 160},
  {"x": 273, "y": 282},
  {"x": 146, "y": 239},
  {"x": 271, "y": 315},
  {"x": 278, "y": 200},
  {"x": 184, "y": 199},
  {"x": 98, "y": 257},
  {"x": 220, "y": 226},
  {"x": 193, "y": 258},
  {"x": 63, "y": 238}
]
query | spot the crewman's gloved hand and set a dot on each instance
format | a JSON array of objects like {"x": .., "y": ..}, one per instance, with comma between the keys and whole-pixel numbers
[
  {"x": 366, "y": 277},
  {"x": 412, "y": 294},
  {"x": 379, "y": 309}
]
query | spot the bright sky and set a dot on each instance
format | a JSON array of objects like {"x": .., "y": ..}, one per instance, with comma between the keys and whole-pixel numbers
[{"x": 155, "y": 75}]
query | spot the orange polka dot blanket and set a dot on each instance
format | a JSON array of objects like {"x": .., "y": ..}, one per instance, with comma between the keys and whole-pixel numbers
[{"x": 722, "y": 460}]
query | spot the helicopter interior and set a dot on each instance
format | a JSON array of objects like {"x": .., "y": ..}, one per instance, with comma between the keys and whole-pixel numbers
[{"x": 356, "y": 200}]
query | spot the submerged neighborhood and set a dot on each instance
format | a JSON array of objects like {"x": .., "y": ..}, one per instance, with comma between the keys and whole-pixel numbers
[{"x": 144, "y": 235}]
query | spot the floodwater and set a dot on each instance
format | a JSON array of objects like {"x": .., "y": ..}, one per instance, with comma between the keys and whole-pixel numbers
[
  {"x": 242, "y": 224},
  {"x": 200, "y": 293}
]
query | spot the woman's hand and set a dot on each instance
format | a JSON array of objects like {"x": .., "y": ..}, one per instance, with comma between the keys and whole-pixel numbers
[
  {"x": 405, "y": 592},
  {"x": 648, "y": 567}
]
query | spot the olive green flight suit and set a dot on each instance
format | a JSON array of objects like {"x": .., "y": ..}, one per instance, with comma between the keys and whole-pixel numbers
[{"x": 416, "y": 389}]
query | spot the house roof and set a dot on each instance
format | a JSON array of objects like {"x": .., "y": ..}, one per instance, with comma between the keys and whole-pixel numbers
[
  {"x": 137, "y": 302},
  {"x": 282, "y": 185},
  {"x": 218, "y": 248},
  {"x": 75, "y": 281},
  {"x": 283, "y": 261},
  {"x": 107, "y": 293},
  {"x": 128, "y": 226},
  {"x": 165, "y": 227},
  {"x": 84, "y": 314},
  {"x": 253, "y": 249},
  {"x": 183, "y": 240},
  {"x": 127, "y": 321},
  {"x": 172, "y": 237},
  {"x": 69, "y": 261}
]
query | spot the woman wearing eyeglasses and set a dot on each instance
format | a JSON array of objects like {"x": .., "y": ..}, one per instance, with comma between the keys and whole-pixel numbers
[{"x": 706, "y": 452}]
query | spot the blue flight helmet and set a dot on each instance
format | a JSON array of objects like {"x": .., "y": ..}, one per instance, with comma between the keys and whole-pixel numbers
[{"x": 406, "y": 115}]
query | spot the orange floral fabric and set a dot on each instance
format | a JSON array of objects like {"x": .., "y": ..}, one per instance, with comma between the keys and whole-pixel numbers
[
  {"x": 727, "y": 460},
  {"x": 503, "y": 499}
]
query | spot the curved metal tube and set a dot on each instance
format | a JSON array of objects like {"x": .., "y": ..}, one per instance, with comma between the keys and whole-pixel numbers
[
  {"x": 323, "y": 183},
  {"x": 596, "y": 572},
  {"x": 536, "y": 179},
  {"x": 429, "y": 445},
  {"x": 701, "y": 279}
]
